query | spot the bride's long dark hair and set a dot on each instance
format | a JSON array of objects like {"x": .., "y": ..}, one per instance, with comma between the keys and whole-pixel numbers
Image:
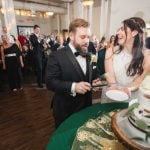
[{"x": 136, "y": 65}]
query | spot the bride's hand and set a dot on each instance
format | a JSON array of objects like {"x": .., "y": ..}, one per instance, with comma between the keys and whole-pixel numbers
[
  {"x": 127, "y": 91},
  {"x": 123, "y": 89},
  {"x": 96, "y": 82},
  {"x": 112, "y": 87}
]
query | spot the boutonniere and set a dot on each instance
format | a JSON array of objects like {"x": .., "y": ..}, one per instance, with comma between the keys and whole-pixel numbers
[{"x": 93, "y": 59}]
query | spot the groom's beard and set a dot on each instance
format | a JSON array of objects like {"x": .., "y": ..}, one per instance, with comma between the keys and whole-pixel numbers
[{"x": 82, "y": 51}]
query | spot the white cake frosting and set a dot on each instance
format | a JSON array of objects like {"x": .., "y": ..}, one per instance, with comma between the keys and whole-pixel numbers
[
  {"x": 145, "y": 90},
  {"x": 146, "y": 83}
]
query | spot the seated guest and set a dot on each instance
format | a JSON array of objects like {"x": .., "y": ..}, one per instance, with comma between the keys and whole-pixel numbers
[
  {"x": 70, "y": 73},
  {"x": 12, "y": 62},
  {"x": 124, "y": 65}
]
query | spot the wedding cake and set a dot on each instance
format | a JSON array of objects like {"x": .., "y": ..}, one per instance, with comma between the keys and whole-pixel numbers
[
  {"x": 132, "y": 125},
  {"x": 144, "y": 94}
]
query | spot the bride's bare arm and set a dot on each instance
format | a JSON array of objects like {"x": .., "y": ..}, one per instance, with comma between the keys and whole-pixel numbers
[{"x": 110, "y": 76}]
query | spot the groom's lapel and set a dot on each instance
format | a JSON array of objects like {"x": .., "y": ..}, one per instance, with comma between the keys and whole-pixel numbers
[
  {"x": 89, "y": 68},
  {"x": 74, "y": 62}
]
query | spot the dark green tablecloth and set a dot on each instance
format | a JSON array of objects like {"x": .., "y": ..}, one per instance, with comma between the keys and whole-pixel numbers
[{"x": 63, "y": 137}]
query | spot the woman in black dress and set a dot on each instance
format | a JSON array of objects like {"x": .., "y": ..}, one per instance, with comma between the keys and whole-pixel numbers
[{"x": 12, "y": 62}]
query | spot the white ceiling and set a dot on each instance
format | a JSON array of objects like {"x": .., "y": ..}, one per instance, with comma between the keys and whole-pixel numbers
[
  {"x": 46, "y": 2},
  {"x": 57, "y": 6}
]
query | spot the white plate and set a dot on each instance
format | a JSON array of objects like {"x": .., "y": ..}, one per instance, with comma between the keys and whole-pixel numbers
[{"x": 117, "y": 95}]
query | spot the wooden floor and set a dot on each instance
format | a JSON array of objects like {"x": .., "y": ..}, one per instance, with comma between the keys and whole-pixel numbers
[{"x": 26, "y": 121}]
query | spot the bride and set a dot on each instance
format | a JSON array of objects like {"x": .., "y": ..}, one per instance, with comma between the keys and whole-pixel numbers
[{"x": 124, "y": 65}]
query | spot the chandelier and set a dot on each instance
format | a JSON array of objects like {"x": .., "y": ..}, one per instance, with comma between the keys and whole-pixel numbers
[
  {"x": 49, "y": 13},
  {"x": 87, "y": 2},
  {"x": 31, "y": 13}
]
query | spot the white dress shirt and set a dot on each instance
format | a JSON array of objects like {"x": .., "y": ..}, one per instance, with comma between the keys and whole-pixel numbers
[{"x": 82, "y": 62}]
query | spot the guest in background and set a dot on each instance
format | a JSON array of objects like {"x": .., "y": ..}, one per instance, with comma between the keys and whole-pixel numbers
[
  {"x": 101, "y": 54},
  {"x": 102, "y": 43},
  {"x": 22, "y": 39},
  {"x": 5, "y": 32},
  {"x": 58, "y": 42},
  {"x": 36, "y": 42},
  {"x": 1, "y": 74},
  {"x": 66, "y": 41},
  {"x": 111, "y": 42},
  {"x": 147, "y": 43},
  {"x": 52, "y": 42},
  {"x": 12, "y": 62},
  {"x": 69, "y": 73},
  {"x": 17, "y": 42},
  {"x": 147, "y": 55},
  {"x": 92, "y": 45}
]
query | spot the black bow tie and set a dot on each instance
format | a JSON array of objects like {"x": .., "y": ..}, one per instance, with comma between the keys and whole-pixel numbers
[{"x": 77, "y": 54}]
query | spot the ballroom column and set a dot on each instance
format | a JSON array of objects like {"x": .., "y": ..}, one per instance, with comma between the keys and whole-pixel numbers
[
  {"x": 1, "y": 27},
  {"x": 68, "y": 15},
  {"x": 58, "y": 23},
  {"x": 88, "y": 13},
  {"x": 88, "y": 9},
  {"x": 105, "y": 17},
  {"x": 77, "y": 9},
  {"x": 9, "y": 16}
]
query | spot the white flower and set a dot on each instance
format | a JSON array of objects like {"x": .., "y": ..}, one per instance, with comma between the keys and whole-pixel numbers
[{"x": 93, "y": 58}]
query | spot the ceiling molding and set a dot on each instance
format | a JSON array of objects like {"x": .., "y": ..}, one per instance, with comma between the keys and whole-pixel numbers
[
  {"x": 43, "y": 2},
  {"x": 39, "y": 7}
]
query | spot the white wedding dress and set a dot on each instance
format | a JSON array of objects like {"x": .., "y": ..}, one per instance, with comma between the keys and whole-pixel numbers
[{"x": 121, "y": 62}]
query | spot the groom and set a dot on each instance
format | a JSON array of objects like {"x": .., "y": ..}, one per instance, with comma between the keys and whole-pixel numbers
[{"x": 70, "y": 73}]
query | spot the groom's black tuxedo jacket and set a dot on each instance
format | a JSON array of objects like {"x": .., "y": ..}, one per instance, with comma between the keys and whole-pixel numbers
[{"x": 62, "y": 70}]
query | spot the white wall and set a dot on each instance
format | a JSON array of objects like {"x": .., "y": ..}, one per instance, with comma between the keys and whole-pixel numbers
[
  {"x": 44, "y": 23},
  {"x": 64, "y": 22},
  {"x": 123, "y": 9},
  {"x": 120, "y": 10}
]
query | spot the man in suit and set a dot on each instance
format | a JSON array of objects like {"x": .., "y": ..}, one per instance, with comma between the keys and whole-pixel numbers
[
  {"x": 52, "y": 42},
  {"x": 70, "y": 73},
  {"x": 38, "y": 53}
]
